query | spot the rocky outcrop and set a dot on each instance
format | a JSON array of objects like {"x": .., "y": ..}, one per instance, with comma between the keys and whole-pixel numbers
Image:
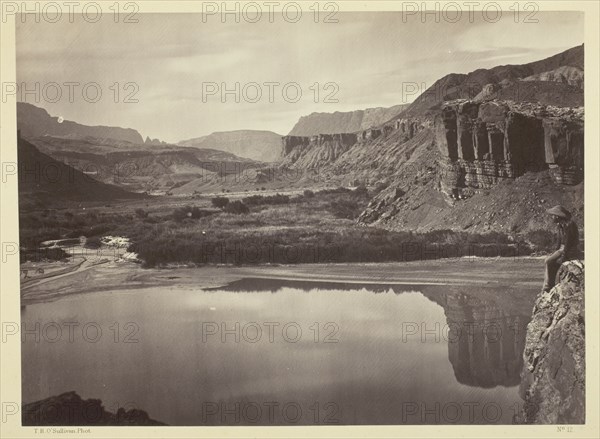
[
  {"x": 553, "y": 377},
  {"x": 69, "y": 409},
  {"x": 150, "y": 141},
  {"x": 484, "y": 143}
]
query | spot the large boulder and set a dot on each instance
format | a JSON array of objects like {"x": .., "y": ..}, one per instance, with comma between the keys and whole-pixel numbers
[
  {"x": 553, "y": 377},
  {"x": 69, "y": 409}
]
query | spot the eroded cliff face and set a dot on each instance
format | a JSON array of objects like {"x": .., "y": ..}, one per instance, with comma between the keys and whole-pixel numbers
[
  {"x": 315, "y": 151},
  {"x": 553, "y": 376},
  {"x": 484, "y": 143},
  {"x": 339, "y": 122},
  {"x": 311, "y": 152}
]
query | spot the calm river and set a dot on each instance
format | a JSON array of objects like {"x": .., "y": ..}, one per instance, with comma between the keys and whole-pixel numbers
[{"x": 276, "y": 352}]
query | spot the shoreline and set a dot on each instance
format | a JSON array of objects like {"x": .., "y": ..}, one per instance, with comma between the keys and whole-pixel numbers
[{"x": 510, "y": 273}]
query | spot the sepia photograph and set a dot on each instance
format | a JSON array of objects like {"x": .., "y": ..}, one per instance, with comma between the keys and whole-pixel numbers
[{"x": 299, "y": 214}]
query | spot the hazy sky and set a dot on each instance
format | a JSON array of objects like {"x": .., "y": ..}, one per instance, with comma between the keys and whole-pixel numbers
[{"x": 170, "y": 56}]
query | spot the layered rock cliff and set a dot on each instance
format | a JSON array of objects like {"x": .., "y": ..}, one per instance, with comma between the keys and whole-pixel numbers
[
  {"x": 553, "y": 377},
  {"x": 484, "y": 143},
  {"x": 493, "y": 165},
  {"x": 322, "y": 150}
]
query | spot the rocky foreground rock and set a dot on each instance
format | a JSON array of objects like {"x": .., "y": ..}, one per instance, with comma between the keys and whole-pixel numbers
[
  {"x": 68, "y": 409},
  {"x": 553, "y": 377}
]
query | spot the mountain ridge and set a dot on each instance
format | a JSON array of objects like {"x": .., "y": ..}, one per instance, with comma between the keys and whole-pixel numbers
[
  {"x": 467, "y": 86},
  {"x": 43, "y": 180},
  {"x": 35, "y": 121}
]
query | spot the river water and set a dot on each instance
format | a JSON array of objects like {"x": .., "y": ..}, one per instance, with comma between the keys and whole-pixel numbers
[{"x": 277, "y": 352}]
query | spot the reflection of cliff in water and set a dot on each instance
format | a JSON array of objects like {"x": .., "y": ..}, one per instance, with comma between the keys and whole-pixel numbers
[
  {"x": 486, "y": 338},
  {"x": 485, "y": 327}
]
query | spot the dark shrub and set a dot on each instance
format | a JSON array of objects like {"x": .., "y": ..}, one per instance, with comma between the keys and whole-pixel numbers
[
  {"x": 237, "y": 207},
  {"x": 76, "y": 233},
  {"x": 181, "y": 213},
  {"x": 220, "y": 202},
  {"x": 99, "y": 229},
  {"x": 255, "y": 200},
  {"x": 141, "y": 213},
  {"x": 195, "y": 212},
  {"x": 344, "y": 208},
  {"x": 308, "y": 193}
]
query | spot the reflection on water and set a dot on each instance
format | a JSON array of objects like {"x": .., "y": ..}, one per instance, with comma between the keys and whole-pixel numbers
[
  {"x": 349, "y": 354},
  {"x": 487, "y": 347},
  {"x": 486, "y": 336}
]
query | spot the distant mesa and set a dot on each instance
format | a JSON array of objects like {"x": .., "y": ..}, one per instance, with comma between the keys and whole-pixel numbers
[
  {"x": 257, "y": 145},
  {"x": 34, "y": 122}
]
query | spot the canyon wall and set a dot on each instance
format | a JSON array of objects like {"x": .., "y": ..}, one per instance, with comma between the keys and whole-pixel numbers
[
  {"x": 311, "y": 151},
  {"x": 484, "y": 143},
  {"x": 340, "y": 122}
]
